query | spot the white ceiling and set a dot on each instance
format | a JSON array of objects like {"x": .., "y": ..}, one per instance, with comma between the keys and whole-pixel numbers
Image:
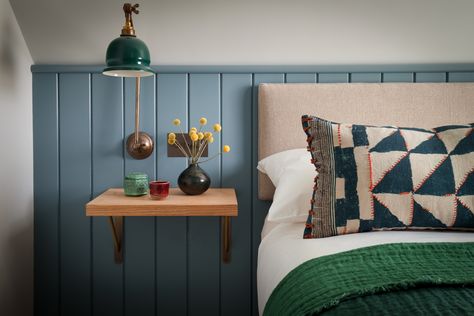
[{"x": 236, "y": 32}]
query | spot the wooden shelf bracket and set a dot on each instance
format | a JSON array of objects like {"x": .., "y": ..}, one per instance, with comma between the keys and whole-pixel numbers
[
  {"x": 226, "y": 239},
  {"x": 116, "y": 223}
]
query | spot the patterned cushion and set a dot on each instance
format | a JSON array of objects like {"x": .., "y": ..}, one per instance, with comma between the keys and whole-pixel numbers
[{"x": 376, "y": 178}]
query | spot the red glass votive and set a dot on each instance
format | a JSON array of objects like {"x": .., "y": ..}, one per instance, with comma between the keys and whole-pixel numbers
[{"x": 159, "y": 190}]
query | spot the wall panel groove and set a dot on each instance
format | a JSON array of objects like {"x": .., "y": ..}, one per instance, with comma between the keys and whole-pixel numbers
[
  {"x": 75, "y": 190},
  {"x": 91, "y": 232},
  {"x": 203, "y": 234},
  {"x": 109, "y": 165},
  {"x": 46, "y": 194},
  {"x": 172, "y": 265},
  {"x": 253, "y": 266},
  {"x": 139, "y": 268},
  {"x": 171, "y": 233},
  {"x": 259, "y": 208},
  {"x": 236, "y": 172}
]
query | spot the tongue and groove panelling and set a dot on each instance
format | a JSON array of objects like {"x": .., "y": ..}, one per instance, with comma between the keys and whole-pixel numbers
[{"x": 172, "y": 265}]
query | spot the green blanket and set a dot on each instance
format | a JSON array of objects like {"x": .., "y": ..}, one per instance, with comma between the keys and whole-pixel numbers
[{"x": 403, "y": 279}]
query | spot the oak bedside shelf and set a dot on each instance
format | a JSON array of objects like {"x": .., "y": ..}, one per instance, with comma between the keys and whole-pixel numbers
[{"x": 214, "y": 202}]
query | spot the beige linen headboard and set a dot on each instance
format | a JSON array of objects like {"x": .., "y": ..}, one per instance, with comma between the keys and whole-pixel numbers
[{"x": 426, "y": 105}]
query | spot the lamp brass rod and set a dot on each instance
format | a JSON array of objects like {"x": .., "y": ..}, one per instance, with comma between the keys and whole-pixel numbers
[{"x": 137, "y": 108}]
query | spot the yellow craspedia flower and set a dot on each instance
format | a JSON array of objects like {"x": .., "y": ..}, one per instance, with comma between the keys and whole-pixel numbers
[
  {"x": 176, "y": 122},
  {"x": 192, "y": 132},
  {"x": 193, "y": 129},
  {"x": 217, "y": 127},
  {"x": 194, "y": 137},
  {"x": 207, "y": 135},
  {"x": 211, "y": 140},
  {"x": 226, "y": 148},
  {"x": 200, "y": 135},
  {"x": 203, "y": 121},
  {"x": 171, "y": 141},
  {"x": 172, "y": 135}
]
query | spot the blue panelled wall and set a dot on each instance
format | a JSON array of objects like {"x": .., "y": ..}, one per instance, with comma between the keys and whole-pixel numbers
[{"x": 172, "y": 265}]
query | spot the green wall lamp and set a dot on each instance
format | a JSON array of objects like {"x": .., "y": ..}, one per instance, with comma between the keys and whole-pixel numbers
[{"x": 127, "y": 56}]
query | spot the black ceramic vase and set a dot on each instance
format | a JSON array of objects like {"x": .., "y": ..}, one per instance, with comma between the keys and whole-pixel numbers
[{"x": 193, "y": 180}]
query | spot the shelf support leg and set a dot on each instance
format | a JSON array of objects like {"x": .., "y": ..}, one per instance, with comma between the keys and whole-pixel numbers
[
  {"x": 116, "y": 223},
  {"x": 226, "y": 239}
]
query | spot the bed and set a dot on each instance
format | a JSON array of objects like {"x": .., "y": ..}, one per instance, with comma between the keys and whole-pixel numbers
[{"x": 282, "y": 248}]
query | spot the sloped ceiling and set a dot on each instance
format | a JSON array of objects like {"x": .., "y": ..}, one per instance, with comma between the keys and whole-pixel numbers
[{"x": 233, "y": 32}]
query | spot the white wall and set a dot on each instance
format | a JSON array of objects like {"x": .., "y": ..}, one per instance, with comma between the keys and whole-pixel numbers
[
  {"x": 16, "y": 169},
  {"x": 255, "y": 32}
]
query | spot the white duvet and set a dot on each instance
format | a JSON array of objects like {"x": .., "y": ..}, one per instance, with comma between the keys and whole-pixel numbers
[{"x": 282, "y": 249}]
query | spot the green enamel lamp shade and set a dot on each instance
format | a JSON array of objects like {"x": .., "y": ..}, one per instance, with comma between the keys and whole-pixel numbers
[{"x": 127, "y": 56}]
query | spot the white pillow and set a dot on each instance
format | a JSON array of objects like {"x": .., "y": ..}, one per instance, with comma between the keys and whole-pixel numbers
[{"x": 292, "y": 174}]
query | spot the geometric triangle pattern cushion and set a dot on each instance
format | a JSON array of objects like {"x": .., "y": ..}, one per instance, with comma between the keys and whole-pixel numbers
[{"x": 393, "y": 178}]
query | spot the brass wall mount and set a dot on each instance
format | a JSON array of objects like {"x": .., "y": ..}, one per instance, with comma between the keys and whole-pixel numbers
[{"x": 141, "y": 148}]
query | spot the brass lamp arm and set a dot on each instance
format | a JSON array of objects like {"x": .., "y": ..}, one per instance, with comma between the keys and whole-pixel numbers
[
  {"x": 137, "y": 109},
  {"x": 139, "y": 144}
]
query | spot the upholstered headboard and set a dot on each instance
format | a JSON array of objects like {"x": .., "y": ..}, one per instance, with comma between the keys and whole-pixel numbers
[{"x": 402, "y": 104}]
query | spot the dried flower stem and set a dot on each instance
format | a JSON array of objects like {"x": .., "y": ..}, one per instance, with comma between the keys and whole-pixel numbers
[
  {"x": 211, "y": 158},
  {"x": 181, "y": 149},
  {"x": 184, "y": 140},
  {"x": 200, "y": 146},
  {"x": 202, "y": 150}
]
